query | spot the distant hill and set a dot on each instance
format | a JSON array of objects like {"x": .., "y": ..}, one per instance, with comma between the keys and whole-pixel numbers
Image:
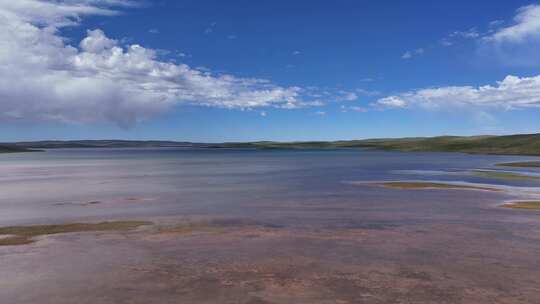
[
  {"x": 55, "y": 144},
  {"x": 523, "y": 144}
]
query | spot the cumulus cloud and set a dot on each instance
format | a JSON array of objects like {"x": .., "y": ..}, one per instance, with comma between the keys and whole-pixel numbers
[
  {"x": 511, "y": 93},
  {"x": 42, "y": 77}
]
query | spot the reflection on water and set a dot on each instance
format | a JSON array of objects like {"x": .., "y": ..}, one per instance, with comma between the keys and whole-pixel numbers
[{"x": 75, "y": 184}]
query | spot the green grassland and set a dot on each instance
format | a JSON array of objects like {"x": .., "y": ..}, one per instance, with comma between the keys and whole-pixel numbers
[{"x": 523, "y": 144}]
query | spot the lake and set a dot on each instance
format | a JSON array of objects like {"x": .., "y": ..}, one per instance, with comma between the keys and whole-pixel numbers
[{"x": 310, "y": 226}]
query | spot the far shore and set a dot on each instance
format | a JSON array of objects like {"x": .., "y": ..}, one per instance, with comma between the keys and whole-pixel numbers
[{"x": 520, "y": 144}]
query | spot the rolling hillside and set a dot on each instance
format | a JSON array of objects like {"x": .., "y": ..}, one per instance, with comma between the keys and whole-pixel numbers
[{"x": 523, "y": 144}]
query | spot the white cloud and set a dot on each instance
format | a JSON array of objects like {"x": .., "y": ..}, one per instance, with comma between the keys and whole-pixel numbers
[
  {"x": 524, "y": 28},
  {"x": 391, "y": 102},
  {"x": 44, "y": 78},
  {"x": 516, "y": 44},
  {"x": 526, "y": 25},
  {"x": 406, "y": 55},
  {"x": 456, "y": 36},
  {"x": 469, "y": 34},
  {"x": 511, "y": 93},
  {"x": 359, "y": 109},
  {"x": 367, "y": 92},
  {"x": 446, "y": 42},
  {"x": 411, "y": 54},
  {"x": 345, "y": 109},
  {"x": 96, "y": 42},
  {"x": 210, "y": 29},
  {"x": 347, "y": 96}
]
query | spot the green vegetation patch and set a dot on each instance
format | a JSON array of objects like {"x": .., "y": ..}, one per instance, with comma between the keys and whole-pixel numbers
[
  {"x": 524, "y": 144},
  {"x": 532, "y": 164},
  {"x": 20, "y": 235},
  {"x": 504, "y": 175},
  {"x": 528, "y": 205},
  {"x": 431, "y": 185}
]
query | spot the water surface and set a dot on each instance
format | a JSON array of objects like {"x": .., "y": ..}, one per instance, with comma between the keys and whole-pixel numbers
[
  {"x": 294, "y": 227},
  {"x": 50, "y": 186}
]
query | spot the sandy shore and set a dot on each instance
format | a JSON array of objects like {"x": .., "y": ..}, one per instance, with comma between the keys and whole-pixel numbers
[{"x": 224, "y": 260}]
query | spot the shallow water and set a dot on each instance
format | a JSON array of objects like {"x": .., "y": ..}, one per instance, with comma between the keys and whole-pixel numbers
[
  {"x": 52, "y": 186},
  {"x": 299, "y": 227}
]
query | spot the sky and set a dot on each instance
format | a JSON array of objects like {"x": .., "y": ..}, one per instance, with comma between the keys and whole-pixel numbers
[{"x": 240, "y": 70}]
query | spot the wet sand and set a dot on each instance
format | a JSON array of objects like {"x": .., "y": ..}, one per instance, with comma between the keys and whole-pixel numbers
[
  {"x": 404, "y": 185},
  {"x": 232, "y": 261},
  {"x": 527, "y": 205},
  {"x": 531, "y": 164}
]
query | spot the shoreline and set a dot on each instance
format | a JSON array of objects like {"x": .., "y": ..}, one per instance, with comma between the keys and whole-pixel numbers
[{"x": 517, "y": 145}]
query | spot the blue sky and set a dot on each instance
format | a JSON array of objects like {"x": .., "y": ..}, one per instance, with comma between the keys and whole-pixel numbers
[{"x": 267, "y": 70}]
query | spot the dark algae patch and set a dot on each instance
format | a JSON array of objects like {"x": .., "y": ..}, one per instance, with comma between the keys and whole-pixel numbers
[
  {"x": 20, "y": 235},
  {"x": 532, "y": 164},
  {"x": 14, "y": 149},
  {"x": 527, "y": 205}
]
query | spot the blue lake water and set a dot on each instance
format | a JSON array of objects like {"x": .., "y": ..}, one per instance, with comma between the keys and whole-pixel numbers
[{"x": 56, "y": 185}]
